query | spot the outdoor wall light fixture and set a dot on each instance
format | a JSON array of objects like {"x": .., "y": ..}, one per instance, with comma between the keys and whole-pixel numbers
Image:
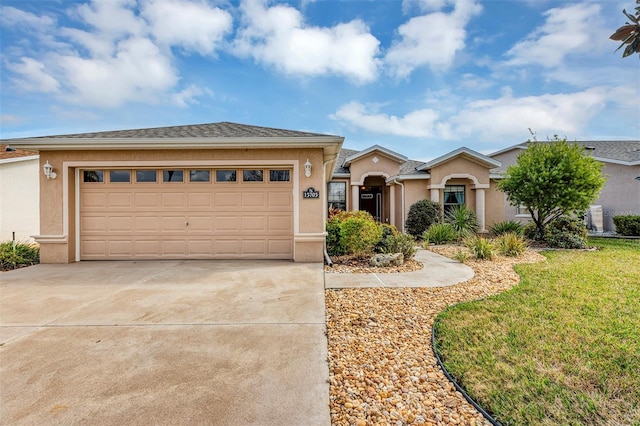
[
  {"x": 307, "y": 168},
  {"x": 48, "y": 171}
]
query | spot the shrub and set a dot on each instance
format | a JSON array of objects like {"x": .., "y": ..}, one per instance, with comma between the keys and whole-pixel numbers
[
  {"x": 627, "y": 225},
  {"x": 359, "y": 235},
  {"x": 481, "y": 248},
  {"x": 566, "y": 232},
  {"x": 16, "y": 254},
  {"x": 511, "y": 226},
  {"x": 387, "y": 231},
  {"x": 511, "y": 244},
  {"x": 463, "y": 220},
  {"x": 461, "y": 256},
  {"x": 335, "y": 246},
  {"x": 440, "y": 233},
  {"x": 422, "y": 214},
  {"x": 400, "y": 243}
]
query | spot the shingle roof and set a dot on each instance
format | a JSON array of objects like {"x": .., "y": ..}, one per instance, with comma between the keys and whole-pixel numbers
[
  {"x": 211, "y": 130},
  {"x": 625, "y": 151},
  {"x": 14, "y": 153}
]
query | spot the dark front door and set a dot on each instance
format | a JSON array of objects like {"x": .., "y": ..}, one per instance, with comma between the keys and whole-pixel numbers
[{"x": 371, "y": 201}]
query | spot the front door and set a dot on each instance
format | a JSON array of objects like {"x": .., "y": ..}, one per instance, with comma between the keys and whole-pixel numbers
[{"x": 371, "y": 201}]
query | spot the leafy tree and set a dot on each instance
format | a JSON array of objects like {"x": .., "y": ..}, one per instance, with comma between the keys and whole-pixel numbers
[
  {"x": 552, "y": 179},
  {"x": 629, "y": 33}
]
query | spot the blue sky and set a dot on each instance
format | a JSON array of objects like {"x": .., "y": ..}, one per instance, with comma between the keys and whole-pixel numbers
[{"x": 420, "y": 77}]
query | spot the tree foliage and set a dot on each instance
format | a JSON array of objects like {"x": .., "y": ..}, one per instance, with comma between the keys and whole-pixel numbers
[
  {"x": 629, "y": 33},
  {"x": 422, "y": 214},
  {"x": 552, "y": 179}
]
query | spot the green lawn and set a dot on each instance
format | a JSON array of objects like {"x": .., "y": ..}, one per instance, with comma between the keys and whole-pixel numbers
[{"x": 562, "y": 347}]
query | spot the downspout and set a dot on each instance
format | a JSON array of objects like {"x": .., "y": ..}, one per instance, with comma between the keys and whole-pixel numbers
[
  {"x": 325, "y": 202},
  {"x": 396, "y": 181}
]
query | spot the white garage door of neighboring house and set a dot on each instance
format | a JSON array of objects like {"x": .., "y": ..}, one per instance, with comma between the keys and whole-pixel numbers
[{"x": 186, "y": 213}]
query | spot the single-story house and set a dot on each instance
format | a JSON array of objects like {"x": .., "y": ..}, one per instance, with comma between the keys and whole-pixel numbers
[
  {"x": 20, "y": 200},
  {"x": 621, "y": 192},
  {"x": 234, "y": 191}
]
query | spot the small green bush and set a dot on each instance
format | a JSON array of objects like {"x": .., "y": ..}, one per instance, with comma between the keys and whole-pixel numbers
[
  {"x": 628, "y": 225},
  {"x": 439, "y": 233},
  {"x": 511, "y": 244},
  {"x": 463, "y": 220},
  {"x": 359, "y": 235},
  {"x": 566, "y": 232},
  {"x": 461, "y": 255},
  {"x": 387, "y": 231},
  {"x": 481, "y": 247},
  {"x": 17, "y": 254},
  {"x": 422, "y": 214},
  {"x": 512, "y": 226},
  {"x": 400, "y": 243},
  {"x": 335, "y": 245}
]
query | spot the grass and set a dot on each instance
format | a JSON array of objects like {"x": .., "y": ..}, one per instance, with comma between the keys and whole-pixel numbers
[{"x": 561, "y": 348}]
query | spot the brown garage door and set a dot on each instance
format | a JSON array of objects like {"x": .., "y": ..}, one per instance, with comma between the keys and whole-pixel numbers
[{"x": 230, "y": 213}]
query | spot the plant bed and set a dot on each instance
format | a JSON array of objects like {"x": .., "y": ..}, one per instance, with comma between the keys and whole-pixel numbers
[{"x": 360, "y": 265}]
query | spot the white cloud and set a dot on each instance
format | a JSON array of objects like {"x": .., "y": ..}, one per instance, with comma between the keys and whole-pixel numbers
[
  {"x": 33, "y": 76},
  {"x": 432, "y": 39},
  {"x": 571, "y": 30},
  {"x": 502, "y": 119},
  {"x": 137, "y": 72},
  {"x": 115, "y": 18},
  {"x": 279, "y": 37},
  {"x": 419, "y": 123},
  {"x": 192, "y": 26},
  {"x": 12, "y": 17}
]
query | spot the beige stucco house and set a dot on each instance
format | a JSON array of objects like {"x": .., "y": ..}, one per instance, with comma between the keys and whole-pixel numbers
[
  {"x": 19, "y": 200},
  {"x": 386, "y": 184},
  {"x": 234, "y": 191}
]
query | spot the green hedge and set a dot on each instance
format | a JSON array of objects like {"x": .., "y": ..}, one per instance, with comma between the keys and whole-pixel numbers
[{"x": 628, "y": 225}]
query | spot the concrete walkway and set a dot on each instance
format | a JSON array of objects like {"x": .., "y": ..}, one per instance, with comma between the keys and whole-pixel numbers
[{"x": 438, "y": 271}]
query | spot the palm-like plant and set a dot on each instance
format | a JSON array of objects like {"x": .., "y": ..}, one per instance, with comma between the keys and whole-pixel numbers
[
  {"x": 629, "y": 33},
  {"x": 463, "y": 220}
]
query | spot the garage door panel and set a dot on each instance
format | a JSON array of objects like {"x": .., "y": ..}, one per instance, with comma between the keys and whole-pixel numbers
[
  {"x": 226, "y": 224},
  {"x": 146, "y": 224},
  {"x": 186, "y": 220},
  {"x": 146, "y": 200},
  {"x": 226, "y": 200},
  {"x": 173, "y": 200},
  {"x": 120, "y": 224},
  {"x": 120, "y": 200},
  {"x": 200, "y": 200},
  {"x": 93, "y": 201}
]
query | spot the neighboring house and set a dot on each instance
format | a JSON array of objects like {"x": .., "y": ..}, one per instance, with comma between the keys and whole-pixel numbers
[
  {"x": 386, "y": 184},
  {"x": 19, "y": 194},
  {"x": 621, "y": 192},
  {"x": 210, "y": 191}
]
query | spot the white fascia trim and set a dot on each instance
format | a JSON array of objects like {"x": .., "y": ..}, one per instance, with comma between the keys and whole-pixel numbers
[
  {"x": 496, "y": 176},
  {"x": 425, "y": 176},
  {"x": 178, "y": 143},
  {"x": 463, "y": 150},
  {"x": 387, "y": 152},
  {"x": 19, "y": 159},
  {"x": 340, "y": 176}
]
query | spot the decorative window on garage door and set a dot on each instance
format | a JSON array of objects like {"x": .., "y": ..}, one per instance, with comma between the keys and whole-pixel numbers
[
  {"x": 279, "y": 175},
  {"x": 93, "y": 176}
]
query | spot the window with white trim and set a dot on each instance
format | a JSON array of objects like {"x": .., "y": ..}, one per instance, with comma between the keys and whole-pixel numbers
[
  {"x": 337, "y": 195},
  {"x": 453, "y": 197}
]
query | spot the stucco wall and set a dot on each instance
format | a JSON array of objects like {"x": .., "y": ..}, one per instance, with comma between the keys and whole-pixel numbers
[
  {"x": 620, "y": 194},
  {"x": 365, "y": 166},
  {"x": 57, "y": 214},
  {"x": 19, "y": 199}
]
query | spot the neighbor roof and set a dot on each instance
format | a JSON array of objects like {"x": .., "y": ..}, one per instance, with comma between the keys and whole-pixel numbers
[
  {"x": 10, "y": 153},
  {"x": 623, "y": 152}
]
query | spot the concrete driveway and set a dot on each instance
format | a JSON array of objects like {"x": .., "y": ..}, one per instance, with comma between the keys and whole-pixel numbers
[{"x": 171, "y": 342}]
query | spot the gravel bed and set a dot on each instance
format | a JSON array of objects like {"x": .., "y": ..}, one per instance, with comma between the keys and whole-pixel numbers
[{"x": 382, "y": 367}]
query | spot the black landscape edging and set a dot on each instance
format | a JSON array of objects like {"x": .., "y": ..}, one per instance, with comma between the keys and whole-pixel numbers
[{"x": 486, "y": 415}]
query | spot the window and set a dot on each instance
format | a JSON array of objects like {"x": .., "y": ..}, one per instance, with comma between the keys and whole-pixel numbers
[
  {"x": 453, "y": 196},
  {"x": 337, "y": 195},
  {"x": 279, "y": 175},
  {"x": 252, "y": 176},
  {"x": 172, "y": 176},
  {"x": 521, "y": 210},
  {"x": 120, "y": 176},
  {"x": 199, "y": 175},
  {"x": 225, "y": 175},
  {"x": 92, "y": 176},
  {"x": 146, "y": 176}
]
